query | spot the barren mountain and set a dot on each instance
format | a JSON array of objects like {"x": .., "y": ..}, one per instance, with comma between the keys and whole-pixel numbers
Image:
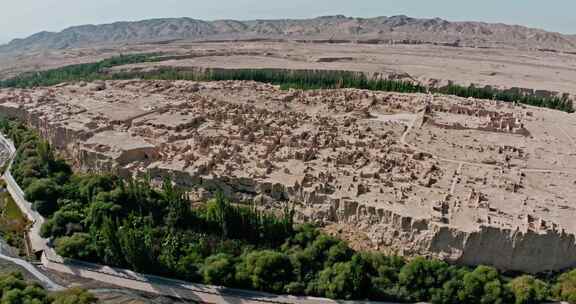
[{"x": 331, "y": 28}]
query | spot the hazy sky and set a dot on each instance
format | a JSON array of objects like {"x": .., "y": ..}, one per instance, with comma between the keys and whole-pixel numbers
[{"x": 20, "y": 18}]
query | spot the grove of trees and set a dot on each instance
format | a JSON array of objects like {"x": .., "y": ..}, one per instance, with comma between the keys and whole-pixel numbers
[
  {"x": 76, "y": 72},
  {"x": 128, "y": 223},
  {"x": 552, "y": 102}
]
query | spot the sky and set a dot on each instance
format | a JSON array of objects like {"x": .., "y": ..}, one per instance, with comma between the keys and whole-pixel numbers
[{"x": 21, "y": 18}]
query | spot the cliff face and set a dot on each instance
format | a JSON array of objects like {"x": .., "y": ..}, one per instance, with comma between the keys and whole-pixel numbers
[{"x": 526, "y": 251}]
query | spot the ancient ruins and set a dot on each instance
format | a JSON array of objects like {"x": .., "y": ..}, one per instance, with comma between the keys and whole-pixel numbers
[{"x": 470, "y": 181}]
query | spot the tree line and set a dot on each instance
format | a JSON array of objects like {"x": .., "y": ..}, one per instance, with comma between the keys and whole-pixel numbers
[
  {"x": 286, "y": 79},
  {"x": 562, "y": 103},
  {"x": 77, "y": 72},
  {"x": 128, "y": 223}
]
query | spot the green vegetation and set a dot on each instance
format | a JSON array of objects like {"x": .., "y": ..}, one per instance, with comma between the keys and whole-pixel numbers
[
  {"x": 565, "y": 289},
  {"x": 128, "y": 223},
  {"x": 13, "y": 223},
  {"x": 529, "y": 290},
  {"x": 551, "y": 102},
  {"x": 298, "y": 79},
  {"x": 15, "y": 290},
  {"x": 85, "y": 72},
  {"x": 301, "y": 79}
]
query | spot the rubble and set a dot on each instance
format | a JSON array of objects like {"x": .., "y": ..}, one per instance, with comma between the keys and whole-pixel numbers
[{"x": 469, "y": 181}]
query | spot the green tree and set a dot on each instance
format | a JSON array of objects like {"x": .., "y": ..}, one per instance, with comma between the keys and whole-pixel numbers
[
  {"x": 449, "y": 293},
  {"x": 178, "y": 213},
  {"x": 14, "y": 290},
  {"x": 43, "y": 193},
  {"x": 383, "y": 272},
  {"x": 62, "y": 223},
  {"x": 136, "y": 243},
  {"x": 108, "y": 245},
  {"x": 219, "y": 270},
  {"x": 77, "y": 246},
  {"x": 344, "y": 280},
  {"x": 528, "y": 290},
  {"x": 420, "y": 278},
  {"x": 483, "y": 285},
  {"x": 265, "y": 270},
  {"x": 187, "y": 266},
  {"x": 565, "y": 288}
]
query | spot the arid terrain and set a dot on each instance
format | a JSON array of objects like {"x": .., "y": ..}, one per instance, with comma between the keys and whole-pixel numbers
[
  {"x": 393, "y": 29},
  {"x": 433, "y": 52},
  {"x": 545, "y": 72},
  {"x": 466, "y": 180},
  {"x": 470, "y": 181}
]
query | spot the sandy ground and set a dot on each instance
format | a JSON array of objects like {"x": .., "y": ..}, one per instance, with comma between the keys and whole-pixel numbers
[
  {"x": 473, "y": 164},
  {"x": 496, "y": 67},
  {"x": 427, "y": 63},
  {"x": 359, "y": 137}
]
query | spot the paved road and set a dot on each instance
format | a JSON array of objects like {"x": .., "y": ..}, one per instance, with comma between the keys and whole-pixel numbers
[
  {"x": 44, "y": 280},
  {"x": 38, "y": 243},
  {"x": 176, "y": 288}
]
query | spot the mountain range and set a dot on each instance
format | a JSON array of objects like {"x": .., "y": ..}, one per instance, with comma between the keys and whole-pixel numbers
[{"x": 400, "y": 29}]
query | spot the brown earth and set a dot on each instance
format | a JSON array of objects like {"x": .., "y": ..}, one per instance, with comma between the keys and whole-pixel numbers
[
  {"x": 470, "y": 181},
  {"x": 545, "y": 72}
]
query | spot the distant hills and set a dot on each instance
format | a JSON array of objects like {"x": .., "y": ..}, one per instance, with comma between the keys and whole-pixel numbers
[{"x": 330, "y": 28}]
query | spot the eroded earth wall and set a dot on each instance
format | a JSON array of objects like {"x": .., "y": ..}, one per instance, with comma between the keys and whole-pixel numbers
[{"x": 469, "y": 181}]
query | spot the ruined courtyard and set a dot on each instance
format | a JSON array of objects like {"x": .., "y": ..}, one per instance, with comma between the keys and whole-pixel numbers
[{"x": 470, "y": 181}]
